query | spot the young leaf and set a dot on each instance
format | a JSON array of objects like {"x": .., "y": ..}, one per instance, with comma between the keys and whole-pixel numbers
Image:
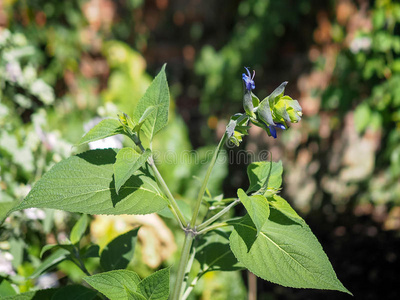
[
  {"x": 105, "y": 128},
  {"x": 284, "y": 207},
  {"x": 128, "y": 161},
  {"x": 79, "y": 229},
  {"x": 155, "y": 286},
  {"x": 68, "y": 247},
  {"x": 113, "y": 284},
  {"x": 258, "y": 173},
  {"x": 84, "y": 183},
  {"x": 285, "y": 252},
  {"x": 119, "y": 252},
  {"x": 257, "y": 208},
  {"x": 157, "y": 96},
  {"x": 54, "y": 259}
]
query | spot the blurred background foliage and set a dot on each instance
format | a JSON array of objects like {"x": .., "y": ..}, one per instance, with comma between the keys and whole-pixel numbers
[{"x": 64, "y": 65}]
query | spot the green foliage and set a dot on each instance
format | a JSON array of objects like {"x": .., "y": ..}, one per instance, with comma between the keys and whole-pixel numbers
[
  {"x": 105, "y": 128},
  {"x": 156, "y": 98},
  {"x": 268, "y": 174},
  {"x": 124, "y": 284},
  {"x": 112, "y": 284},
  {"x": 214, "y": 254},
  {"x": 128, "y": 161},
  {"x": 79, "y": 229},
  {"x": 284, "y": 252},
  {"x": 51, "y": 261},
  {"x": 155, "y": 286},
  {"x": 119, "y": 252},
  {"x": 257, "y": 207},
  {"x": 84, "y": 183}
]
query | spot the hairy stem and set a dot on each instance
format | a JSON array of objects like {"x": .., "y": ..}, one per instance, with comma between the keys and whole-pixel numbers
[
  {"x": 212, "y": 227},
  {"x": 205, "y": 181},
  {"x": 176, "y": 292},
  {"x": 173, "y": 205},
  {"x": 217, "y": 215}
]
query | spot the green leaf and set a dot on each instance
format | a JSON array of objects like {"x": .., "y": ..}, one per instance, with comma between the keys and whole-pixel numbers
[
  {"x": 284, "y": 207},
  {"x": 90, "y": 251},
  {"x": 257, "y": 208},
  {"x": 119, "y": 252},
  {"x": 113, "y": 284},
  {"x": 75, "y": 292},
  {"x": 7, "y": 203},
  {"x": 214, "y": 254},
  {"x": 156, "y": 96},
  {"x": 128, "y": 161},
  {"x": 79, "y": 229},
  {"x": 54, "y": 259},
  {"x": 105, "y": 128},
  {"x": 68, "y": 247},
  {"x": 155, "y": 286},
  {"x": 134, "y": 295},
  {"x": 285, "y": 253},
  {"x": 258, "y": 173},
  {"x": 84, "y": 183},
  {"x": 6, "y": 288}
]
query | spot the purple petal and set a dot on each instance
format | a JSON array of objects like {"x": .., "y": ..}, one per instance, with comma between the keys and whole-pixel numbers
[{"x": 272, "y": 130}]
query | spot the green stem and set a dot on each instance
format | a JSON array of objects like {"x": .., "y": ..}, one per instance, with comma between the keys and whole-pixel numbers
[
  {"x": 212, "y": 227},
  {"x": 173, "y": 205},
  {"x": 217, "y": 215},
  {"x": 176, "y": 292},
  {"x": 205, "y": 181}
]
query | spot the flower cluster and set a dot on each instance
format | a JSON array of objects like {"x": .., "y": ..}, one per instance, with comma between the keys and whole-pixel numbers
[{"x": 274, "y": 111}]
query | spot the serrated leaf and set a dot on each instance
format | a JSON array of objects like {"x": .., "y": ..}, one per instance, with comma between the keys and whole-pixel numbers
[
  {"x": 85, "y": 183},
  {"x": 258, "y": 173},
  {"x": 113, "y": 284},
  {"x": 257, "y": 207},
  {"x": 128, "y": 161},
  {"x": 134, "y": 295},
  {"x": 157, "y": 96},
  {"x": 119, "y": 252},
  {"x": 214, "y": 254},
  {"x": 105, "y": 128},
  {"x": 285, "y": 253},
  {"x": 79, "y": 229},
  {"x": 49, "y": 262},
  {"x": 155, "y": 286}
]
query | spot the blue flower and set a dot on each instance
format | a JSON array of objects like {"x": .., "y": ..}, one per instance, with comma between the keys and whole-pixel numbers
[
  {"x": 272, "y": 128},
  {"x": 248, "y": 80}
]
